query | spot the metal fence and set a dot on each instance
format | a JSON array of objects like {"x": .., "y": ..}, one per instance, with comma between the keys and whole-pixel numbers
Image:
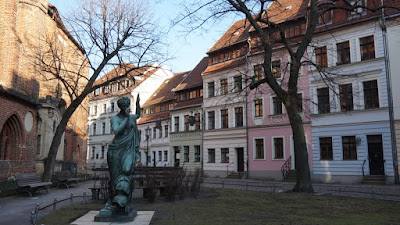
[{"x": 35, "y": 213}]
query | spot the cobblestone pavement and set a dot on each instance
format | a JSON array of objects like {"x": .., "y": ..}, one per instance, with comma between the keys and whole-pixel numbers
[
  {"x": 16, "y": 210},
  {"x": 385, "y": 192}
]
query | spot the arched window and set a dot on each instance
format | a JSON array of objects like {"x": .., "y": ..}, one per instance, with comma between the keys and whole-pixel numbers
[{"x": 11, "y": 137}]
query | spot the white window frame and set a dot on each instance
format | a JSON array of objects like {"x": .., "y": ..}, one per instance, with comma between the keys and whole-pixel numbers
[
  {"x": 255, "y": 149},
  {"x": 254, "y": 108},
  {"x": 271, "y": 108},
  {"x": 358, "y": 47},
  {"x": 273, "y": 148}
]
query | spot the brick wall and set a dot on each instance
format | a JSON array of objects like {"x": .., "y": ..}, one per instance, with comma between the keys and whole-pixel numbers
[{"x": 25, "y": 161}]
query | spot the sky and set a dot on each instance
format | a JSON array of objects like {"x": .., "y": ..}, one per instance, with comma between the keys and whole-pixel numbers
[{"x": 187, "y": 49}]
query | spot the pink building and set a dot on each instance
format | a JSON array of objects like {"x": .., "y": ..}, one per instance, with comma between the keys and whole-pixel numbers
[{"x": 270, "y": 140}]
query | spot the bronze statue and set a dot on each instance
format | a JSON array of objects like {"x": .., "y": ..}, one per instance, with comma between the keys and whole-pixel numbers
[{"x": 121, "y": 158}]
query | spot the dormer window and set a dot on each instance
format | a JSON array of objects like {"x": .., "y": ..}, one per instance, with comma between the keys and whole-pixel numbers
[{"x": 359, "y": 10}]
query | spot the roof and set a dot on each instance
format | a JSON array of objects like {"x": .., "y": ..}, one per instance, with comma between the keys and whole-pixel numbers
[
  {"x": 189, "y": 103},
  {"x": 143, "y": 72},
  {"x": 238, "y": 32},
  {"x": 224, "y": 65},
  {"x": 284, "y": 10},
  {"x": 194, "y": 79},
  {"x": 165, "y": 91},
  {"x": 154, "y": 117}
]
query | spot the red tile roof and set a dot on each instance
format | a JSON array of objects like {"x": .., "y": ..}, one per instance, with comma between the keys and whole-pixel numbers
[
  {"x": 164, "y": 92},
  {"x": 238, "y": 32},
  {"x": 194, "y": 79},
  {"x": 143, "y": 73},
  {"x": 154, "y": 117},
  {"x": 224, "y": 65},
  {"x": 189, "y": 103}
]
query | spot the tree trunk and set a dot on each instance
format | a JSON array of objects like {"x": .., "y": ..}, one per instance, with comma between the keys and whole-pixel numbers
[
  {"x": 303, "y": 181},
  {"x": 51, "y": 157}
]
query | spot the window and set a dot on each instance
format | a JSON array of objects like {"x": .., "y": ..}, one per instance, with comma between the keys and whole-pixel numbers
[
  {"x": 258, "y": 108},
  {"x": 214, "y": 59},
  {"x": 325, "y": 18},
  {"x": 211, "y": 89},
  {"x": 278, "y": 148},
  {"x": 112, "y": 106},
  {"x": 238, "y": 116},
  {"x": 259, "y": 154},
  {"x": 162, "y": 108},
  {"x": 358, "y": 10},
  {"x": 211, "y": 155},
  {"x": 367, "y": 48},
  {"x": 113, "y": 87},
  {"x": 165, "y": 155},
  {"x": 323, "y": 100},
  {"x": 186, "y": 153},
  {"x": 226, "y": 56},
  {"x": 93, "y": 152},
  {"x": 238, "y": 83},
  {"x": 276, "y": 69},
  {"x": 343, "y": 53},
  {"x": 160, "y": 132},
  {"x": 325, "y": 145},
  {"x": 102, "y": 152},
  {"x": 151, "y": 110},
  {"x": 104, "y": 108},
  {"x": 154, "y": 132},
  {"x": 349, "y": 148},
  {"x": 166, "y": 130},
  {"x": 300, "y": 102},
  {"x": 94, "y": 129},
  {"x": 197, "y": 153},
  {"x": 277, "y": 106},
  {"x": 224, "y": 118},
  {"x": 321, "y": 56},
  {"x": 224, "y": 155},
  {"x": 95, "y": 110},
  {"x": 371, "y": 98},
  {"x": 211, "y": 120},
  {"x": 193, "y": 94},
  {"x": 224, "y": 86},
  {"x": 159, "y": 156},
  {"x": 105, "y": 90},
  {"x": 187, "y": 123},
  {"x": 257, "y": 72},
  {"x": 346, "y": 97},
  {"x": 176, "y": 119},
  {"x": 38, "y": 144},
  {"x": 197, "y": 124},
  {"x": 97, "y": 91},
  {"x": 103, "y": 128},
  {"x": 182, "y": 97}
]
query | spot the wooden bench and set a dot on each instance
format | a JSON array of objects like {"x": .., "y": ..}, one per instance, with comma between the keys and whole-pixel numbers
[
  {"x": 30, "y": 182},
  {"x": 65, "y": 178}
]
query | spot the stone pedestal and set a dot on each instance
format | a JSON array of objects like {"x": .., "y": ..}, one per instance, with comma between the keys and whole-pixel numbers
[
  {"x": 110, "y": 216},
  {"x": 142, "y": 218}
]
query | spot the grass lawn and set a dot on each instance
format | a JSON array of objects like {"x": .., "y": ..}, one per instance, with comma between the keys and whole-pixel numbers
[{"x": 227, "y": 206}]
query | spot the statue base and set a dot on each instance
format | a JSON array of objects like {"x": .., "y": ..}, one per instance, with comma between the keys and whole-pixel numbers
[{"x": 107, "y": 215}]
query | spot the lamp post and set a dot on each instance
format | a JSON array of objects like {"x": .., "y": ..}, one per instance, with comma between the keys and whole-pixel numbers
[{"x": 148, "y": 129}]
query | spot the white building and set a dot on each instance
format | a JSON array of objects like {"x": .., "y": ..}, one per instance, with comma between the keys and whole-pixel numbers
[
  {"x": 103, "y": 105},
  {"x": 350, "y": 121}
]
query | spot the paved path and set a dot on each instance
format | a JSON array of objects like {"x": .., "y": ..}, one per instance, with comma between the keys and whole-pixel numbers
[
  {"x": 16, "y": 210},
  {"x": 385, "y": 192}
]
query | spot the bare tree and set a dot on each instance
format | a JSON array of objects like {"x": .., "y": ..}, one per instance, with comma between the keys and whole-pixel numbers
[
  {"x": 106, "y": 34},
  {"x": 269, "y": 21}
]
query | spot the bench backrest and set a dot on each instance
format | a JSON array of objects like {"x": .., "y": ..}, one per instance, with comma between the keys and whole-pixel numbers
[
  {"x": 63, "y": 174},
  {"x": 27, "y": 178}
]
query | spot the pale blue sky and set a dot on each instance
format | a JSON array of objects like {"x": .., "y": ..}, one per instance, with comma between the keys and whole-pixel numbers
[{"x": 187, "y": 49}]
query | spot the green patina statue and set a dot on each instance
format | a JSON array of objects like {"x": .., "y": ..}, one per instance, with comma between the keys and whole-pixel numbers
[{"x": 121, "y": 158}]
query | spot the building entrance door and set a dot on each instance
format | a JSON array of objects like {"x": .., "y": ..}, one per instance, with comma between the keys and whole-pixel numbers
[
  {"x": 240, "y": 159},
  {"x": 375, "y": 155}
]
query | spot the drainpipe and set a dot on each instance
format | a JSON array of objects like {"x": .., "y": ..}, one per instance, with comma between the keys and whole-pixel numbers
[
  {"x": 202, "y": 137},
  {"x": 390, "y": 97},
  {"x": 246, "y": 69}
]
